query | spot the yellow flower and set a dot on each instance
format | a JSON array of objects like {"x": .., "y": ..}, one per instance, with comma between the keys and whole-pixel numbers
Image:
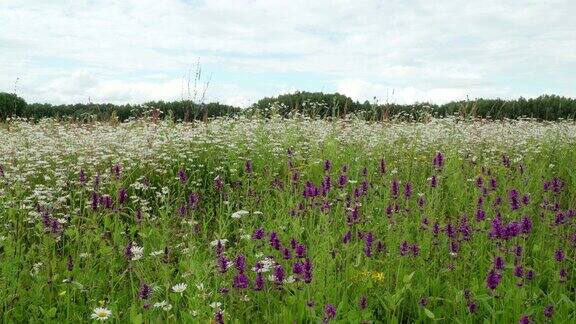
[
  {"x": 369, "y": 275},
  {"x": 378, "y": 276}
]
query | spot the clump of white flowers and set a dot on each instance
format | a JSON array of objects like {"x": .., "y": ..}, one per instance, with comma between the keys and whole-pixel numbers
[
  {"x": 166, "y": 306},
  {"x": 221, "y": 241},
  {"x": 137, "y": 252},
  {"x": 239, "y": 214},
  {"x": 179, "y": 288}
]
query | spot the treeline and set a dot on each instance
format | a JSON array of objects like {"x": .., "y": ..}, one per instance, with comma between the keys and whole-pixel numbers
[
  {"x": 14, "y": 106},
  {"x": 545, "y": 107},
  {"x": 314, "y": 104}
]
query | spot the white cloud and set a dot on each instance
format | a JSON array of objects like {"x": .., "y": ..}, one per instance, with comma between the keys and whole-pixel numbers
[
  {"x": 363, "y": 90},
  {"x": 423, "y": 49},
  {"x": 83, "y": 87}
]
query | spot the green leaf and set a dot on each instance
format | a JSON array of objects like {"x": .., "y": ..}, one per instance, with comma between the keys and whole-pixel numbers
[
  {"x": 51, "y": 313},
  {"x": 568, "y": 301},
  {"x": 135, "y": 317},
  {"x": 429, "y": 313},
  {"x": 487, "y": 306},
  {"x": 354, "y": 317},
  {"x": 408, "y": 277}
]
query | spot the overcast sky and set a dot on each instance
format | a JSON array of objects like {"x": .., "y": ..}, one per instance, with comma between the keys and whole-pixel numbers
[{"x": 401, "y": 51}]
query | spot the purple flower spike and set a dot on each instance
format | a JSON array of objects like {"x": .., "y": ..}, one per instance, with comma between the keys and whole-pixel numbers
[
  {"x": 138, "y": 216},
  {"x": 525, "y": 319},
  {"x": 327, "y": 165},
  {"x": 82, "y": 176},
  {"x": 275, "y": 241},
  {"x": 404, "y": 248},
  {"x": 145, "y": 291},
  {"x": 95, "y": 198},
  {"x": 493, "y": 279},
  {"x": 563, "y": 275},
  {"x": 438, "y": 161},
  {"x": 182, "y": 175},
  {"x": 279, "y": 274},
  {"x": 193, "y": 200},
  {"x": 423, "y": 302},
  {"x": 219, "y": 317},
  {"x": 122, "y": 196},
  {"x": 559, "y": 255},
  {"x": 499, "y": 263},
  {"x": 218, "y": 183},
  {"x": 529, "y": 275},
  {"x": 329, "y": 312},
  {"x": 519, "y": 271},
  {"x": 408, "y": 190},
  {"x": 241, "y": 281},
  {"x": 70, "y": 264},
  {"x": 300, "y": 251},
  {"x": 248, "y": 168},
  {"x": 549, "y": 311},
  {"x": 342, "y": 180},
  {"x": 394, "y": 187},
  {"x": 117, "y": 170},
  {"x": 259, "y": 282},
  {"x": 258, "y": 234},
  {"x": 363, "y": 303},
  {"x": 240, "y": 263},
  {"x": 128, "y": 251},
  {"x": 433, "y": 181},
  {"x": 472, "y": 307},
  {"x": 382, "y": 166},
  {"x": 286, "y": 254}
]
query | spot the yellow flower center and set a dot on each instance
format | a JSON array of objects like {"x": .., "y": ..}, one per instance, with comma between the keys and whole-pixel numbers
[{"x": 101, "y": 313}]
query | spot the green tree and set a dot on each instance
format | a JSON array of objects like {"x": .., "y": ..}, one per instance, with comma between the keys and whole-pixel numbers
[{"x": 11, "y": 105}]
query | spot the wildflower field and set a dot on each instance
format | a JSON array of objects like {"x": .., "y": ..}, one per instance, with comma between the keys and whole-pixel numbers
[{"x": 288, "y": 220}]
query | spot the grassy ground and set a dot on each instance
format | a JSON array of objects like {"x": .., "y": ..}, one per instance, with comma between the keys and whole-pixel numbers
[{"x": 343, "y": 221}]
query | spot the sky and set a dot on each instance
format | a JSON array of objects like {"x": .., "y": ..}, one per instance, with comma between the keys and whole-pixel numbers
[{"x": 400, "y": 51}]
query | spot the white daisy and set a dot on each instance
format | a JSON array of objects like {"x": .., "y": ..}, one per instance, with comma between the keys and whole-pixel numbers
[
  {"x": 216, "y": 305},
  {"x": 101, "y": 313},
  {"x": 179, "y": 288}
]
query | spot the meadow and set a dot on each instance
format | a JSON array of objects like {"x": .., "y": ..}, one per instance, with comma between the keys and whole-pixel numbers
[{"x": 300, "y": 220}]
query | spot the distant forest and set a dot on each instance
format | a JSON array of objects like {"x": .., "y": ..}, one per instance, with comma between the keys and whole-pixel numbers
[{"x": 313, "y": 104}]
